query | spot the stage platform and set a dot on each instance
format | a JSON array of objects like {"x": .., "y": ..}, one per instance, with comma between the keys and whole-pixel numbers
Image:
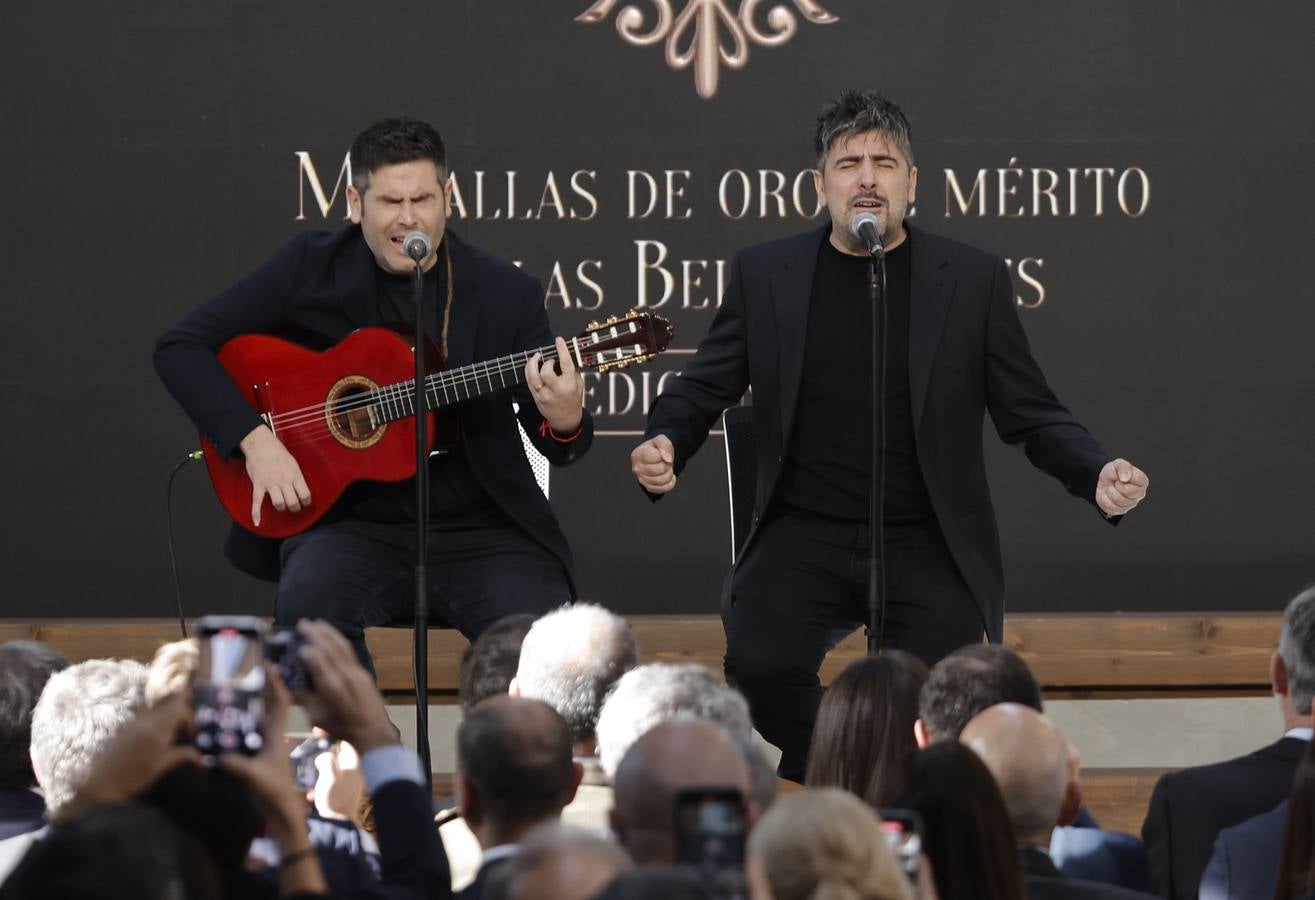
[{"x": 1094, "y": 668}]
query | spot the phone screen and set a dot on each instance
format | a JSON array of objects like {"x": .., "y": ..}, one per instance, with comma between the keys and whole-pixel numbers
[
  {"x": 710, "y": 834},
  {"x": 902, "y": 829},
  {"x": 230, "y": 688}
]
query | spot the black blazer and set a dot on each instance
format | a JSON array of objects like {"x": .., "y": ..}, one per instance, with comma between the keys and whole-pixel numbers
[
  {"x": 1043, "y": 881},
  {"x": 1190, "y": 807},
  {"x": 321, "y": 287},
  {"x": 475, "y": 890},
  {"x": 411, "y": 860},
  {"x": 968, "y": 355},
  {"x": 1245, "y": 863}
]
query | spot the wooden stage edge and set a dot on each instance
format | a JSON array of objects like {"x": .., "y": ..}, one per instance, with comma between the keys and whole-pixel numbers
[{"x": 1108, "y": 655}]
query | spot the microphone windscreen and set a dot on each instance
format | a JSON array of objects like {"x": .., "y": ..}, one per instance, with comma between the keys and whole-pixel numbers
[{"x": 417, "y": 245}]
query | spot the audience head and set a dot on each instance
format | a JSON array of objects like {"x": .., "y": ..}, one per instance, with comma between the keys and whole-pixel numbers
[
  {"x": 658, "y": 692},
  {"x": 488, "y": 665},
  {"x": 966, "y": 830},
  {"x": 1292, "y": 668},
  {"x": 172, "y": 670},
  {"x": 969, "y": 680},
  {"x": 111, "y": 852},
  {"x": 514, "y": 767},
  {"x": 25, "y": 667},
  {"x": 570, "y": 659},
  {"x": 558, "y": 862},
  {"x": 1030, "y": 760},
  {"x": 679, "y": 754},
  {"x": 80, "y": 710},
  {"x": 826, "y": 844},
  {"x": 863, "y": 736},
  {"x": 213, "y": 806}
]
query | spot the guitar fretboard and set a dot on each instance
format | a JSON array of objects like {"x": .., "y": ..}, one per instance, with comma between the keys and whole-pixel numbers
[{"x": 395, "y": 401}]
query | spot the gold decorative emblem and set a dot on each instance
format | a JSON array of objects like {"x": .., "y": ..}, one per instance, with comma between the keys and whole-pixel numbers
[{"x": 707, "y": 33}]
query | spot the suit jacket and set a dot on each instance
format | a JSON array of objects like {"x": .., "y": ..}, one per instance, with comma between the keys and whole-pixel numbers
[
  {"x": 1246, "y": 859},
  {"x": 1043, "y": 881},
  {"x": 411, "y": 861},
  {"x": 321, "y": 287},
  {"x": 475, "y": 890},
  {"x": 1094, "y": 854},
  {"x": 21, "y": 811},
  {"x": 968, "y": 355},
  {"x": 1190, "y": 807}
]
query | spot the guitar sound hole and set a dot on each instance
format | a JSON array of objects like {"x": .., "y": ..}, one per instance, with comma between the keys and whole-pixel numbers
[{"x": 350, "y": 414}]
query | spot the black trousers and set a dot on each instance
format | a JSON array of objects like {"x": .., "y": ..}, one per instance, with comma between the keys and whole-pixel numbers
[
  {"x": 358, "y": 574},
  {"x": 802, "y": 587}
]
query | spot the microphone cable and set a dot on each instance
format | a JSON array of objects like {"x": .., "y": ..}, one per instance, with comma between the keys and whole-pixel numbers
[{"x": 169, "y": 520}]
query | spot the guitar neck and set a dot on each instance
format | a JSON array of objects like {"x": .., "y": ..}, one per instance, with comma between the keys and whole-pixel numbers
[{"x": 453, "y": 386}]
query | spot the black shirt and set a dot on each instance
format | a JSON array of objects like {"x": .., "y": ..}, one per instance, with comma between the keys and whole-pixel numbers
[
  {"x": 456, "y": 498},
  {"x": 828, "y": 463}
]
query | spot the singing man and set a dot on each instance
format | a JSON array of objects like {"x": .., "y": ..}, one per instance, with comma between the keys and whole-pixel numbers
[
  {"x": 794, "y": 325},
  {"x": 495, "y": 547}
]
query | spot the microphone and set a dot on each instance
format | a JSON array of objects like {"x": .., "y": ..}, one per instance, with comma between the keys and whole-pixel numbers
[
  {"x": 864, "y": 226},
  {"x": 417, "y": 245}
]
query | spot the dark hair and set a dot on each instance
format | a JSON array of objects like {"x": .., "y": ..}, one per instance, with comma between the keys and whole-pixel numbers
[
  {"x": 389, "y": 142},
  {"x": 112, "y": 852},
  {"x": 520, "y": 765},
  {"x": 971, "y": 680},
  {"x": 856, "y": 112},
  {"x": 25, "y": 666},
  {"x": 863, "y": 736},
  {"x": 212, "y": 806},
  {"x": 489, "y": 664},
  {"x": 1296, "y": 871},
  {"x": 966, "y": 830}
]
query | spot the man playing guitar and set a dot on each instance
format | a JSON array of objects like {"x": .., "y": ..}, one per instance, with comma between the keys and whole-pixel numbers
[{"x": 495, "y": 546}]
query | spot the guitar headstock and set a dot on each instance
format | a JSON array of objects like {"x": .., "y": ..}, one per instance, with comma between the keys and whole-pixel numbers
[{"x": 623, "y": 340}]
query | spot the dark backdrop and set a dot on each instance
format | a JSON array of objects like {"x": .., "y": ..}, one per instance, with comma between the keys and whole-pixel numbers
[{"x": 156, "y": 151}]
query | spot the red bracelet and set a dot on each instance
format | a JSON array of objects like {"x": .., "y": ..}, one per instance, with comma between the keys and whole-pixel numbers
[{"x": 545, "y": 430}]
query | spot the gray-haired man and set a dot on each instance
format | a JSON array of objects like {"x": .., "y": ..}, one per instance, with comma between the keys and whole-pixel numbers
[{"x": 795, "y": 323}]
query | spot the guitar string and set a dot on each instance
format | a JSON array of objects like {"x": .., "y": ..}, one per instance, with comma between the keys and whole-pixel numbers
[
  {"x": 399, "y": 396},
  {"x": 456, "y": 379},
  {"x": 396, "y": 394},
  {"x": 590, "y": 341}
]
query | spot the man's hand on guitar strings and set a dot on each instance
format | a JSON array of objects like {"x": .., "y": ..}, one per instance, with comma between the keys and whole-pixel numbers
[
  {"x": 274, "y": 473},
  {"x": 559, "y": 398}
]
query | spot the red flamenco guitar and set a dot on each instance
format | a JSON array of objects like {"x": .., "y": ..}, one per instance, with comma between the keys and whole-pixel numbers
[{"x": 346, "y": 414}]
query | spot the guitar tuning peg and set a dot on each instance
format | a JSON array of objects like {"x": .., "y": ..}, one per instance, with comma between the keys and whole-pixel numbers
[
  {"x": 611, "y": 320},
  {"x": 593, "y": 325}
]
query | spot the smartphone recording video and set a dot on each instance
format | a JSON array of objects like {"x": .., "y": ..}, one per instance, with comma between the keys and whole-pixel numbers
[
  {"x": 710, "y": 833},
  {"x": 903, "y": 831},
  {"x": 229, "y": 696}
]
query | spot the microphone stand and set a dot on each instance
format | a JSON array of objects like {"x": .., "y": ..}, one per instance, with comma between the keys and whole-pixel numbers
[
  {"x": 420, "y": 638},
  {"x": 877, "y": 489}
]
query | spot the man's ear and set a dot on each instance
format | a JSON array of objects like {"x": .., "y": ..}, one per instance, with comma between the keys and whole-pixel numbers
[
  {"x": 1068, "y": 812},
  {"x": 514, "y": 688},
  {"x": 577, "y": 776},
  {"x": 354, "y": 204},
  {"x": 1278, "y": 675},
  {"x": 467, "y": 798},
  {"x": 920, "y": 734}
]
